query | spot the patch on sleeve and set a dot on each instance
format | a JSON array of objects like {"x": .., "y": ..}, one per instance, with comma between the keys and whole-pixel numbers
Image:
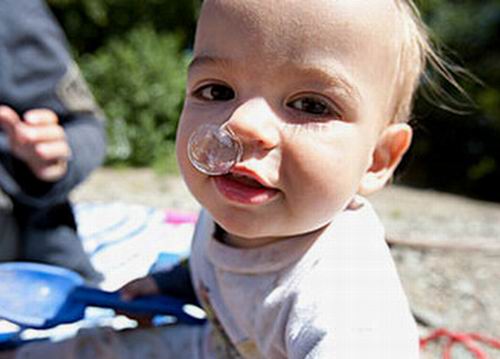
[{"x": 74, "y": 93}]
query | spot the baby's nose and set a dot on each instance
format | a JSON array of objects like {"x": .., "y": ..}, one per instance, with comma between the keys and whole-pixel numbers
[{"x": 256, "y": 125}]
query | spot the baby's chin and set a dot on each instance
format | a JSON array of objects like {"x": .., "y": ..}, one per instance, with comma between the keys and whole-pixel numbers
[{"x": 245, "y": 233}]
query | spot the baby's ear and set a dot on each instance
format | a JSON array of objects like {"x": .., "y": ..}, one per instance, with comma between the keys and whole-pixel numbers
[{"x": 392, "y": 145}]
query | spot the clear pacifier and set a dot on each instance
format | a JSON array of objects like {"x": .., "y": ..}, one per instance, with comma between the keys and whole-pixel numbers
[{"x": 214, "y": 150}]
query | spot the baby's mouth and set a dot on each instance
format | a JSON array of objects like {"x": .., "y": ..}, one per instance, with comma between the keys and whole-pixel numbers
[
  {"x": 245, "y": 180},
  {"x": 245, "y": 189}
]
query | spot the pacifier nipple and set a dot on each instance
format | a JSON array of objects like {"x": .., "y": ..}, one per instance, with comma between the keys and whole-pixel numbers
[{"x": 214, "y": 150}]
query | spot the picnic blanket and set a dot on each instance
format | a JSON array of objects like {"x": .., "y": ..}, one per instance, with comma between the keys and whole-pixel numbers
[{"x": 124, "y": 241}]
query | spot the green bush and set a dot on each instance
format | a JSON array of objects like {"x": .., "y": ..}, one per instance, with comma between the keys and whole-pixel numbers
[
  {"x": 139, "y": 82},
  {"x": 89, "y": 24}
]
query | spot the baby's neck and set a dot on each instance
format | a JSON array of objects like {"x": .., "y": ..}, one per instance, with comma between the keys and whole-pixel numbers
[{"x": 246, "y": 243}]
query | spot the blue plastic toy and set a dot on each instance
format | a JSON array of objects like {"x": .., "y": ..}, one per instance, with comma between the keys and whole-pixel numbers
[{"x": 42, "y": 296}]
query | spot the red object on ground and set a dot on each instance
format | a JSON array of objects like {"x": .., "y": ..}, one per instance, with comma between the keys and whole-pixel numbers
[{"x": 469, "y": 340}]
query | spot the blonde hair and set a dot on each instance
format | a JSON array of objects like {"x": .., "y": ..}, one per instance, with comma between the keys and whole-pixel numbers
[{"x": 417, "y": 54}]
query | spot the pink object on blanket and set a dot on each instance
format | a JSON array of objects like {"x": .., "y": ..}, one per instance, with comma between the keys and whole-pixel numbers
[{"x": 174, "y": 217}]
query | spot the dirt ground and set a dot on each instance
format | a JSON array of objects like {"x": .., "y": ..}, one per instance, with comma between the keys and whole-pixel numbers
[{"x": 446, "y": 248}]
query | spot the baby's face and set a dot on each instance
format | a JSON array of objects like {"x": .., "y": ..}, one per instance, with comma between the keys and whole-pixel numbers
[{"x": 307, "y": 88}]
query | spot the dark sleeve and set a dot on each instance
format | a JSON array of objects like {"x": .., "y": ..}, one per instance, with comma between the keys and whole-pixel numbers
[
  {"x": 37, "y": 71},
  {"x": 177, "y": 282}
]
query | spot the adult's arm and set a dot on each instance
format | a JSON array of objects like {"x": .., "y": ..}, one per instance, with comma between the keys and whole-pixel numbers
[{"x": 37, "y": 71}]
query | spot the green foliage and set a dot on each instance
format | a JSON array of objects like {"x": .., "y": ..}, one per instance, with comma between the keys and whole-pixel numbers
[
  {"x": 470, "y": 29},
  {"x": 133, "y": 54},
  {"x": 461, "y": 152},
  {"x": 89, "y": 24},
  {"x": 139, "y": 81}
]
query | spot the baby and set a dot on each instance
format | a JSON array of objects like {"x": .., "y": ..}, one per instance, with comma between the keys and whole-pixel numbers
[{"x": 288, "y": 259}]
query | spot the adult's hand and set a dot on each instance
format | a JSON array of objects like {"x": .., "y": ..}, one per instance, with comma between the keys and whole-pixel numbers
[{"x": 39, "y": 141}]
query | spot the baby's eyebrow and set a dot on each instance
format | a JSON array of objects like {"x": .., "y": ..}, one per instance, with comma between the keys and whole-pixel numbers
[
  {"x": 205, "y": 60},
  {"x": 334, "y": 78}
]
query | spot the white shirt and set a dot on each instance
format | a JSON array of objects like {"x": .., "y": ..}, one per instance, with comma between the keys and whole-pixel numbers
[{"x": 336, "y": 295}]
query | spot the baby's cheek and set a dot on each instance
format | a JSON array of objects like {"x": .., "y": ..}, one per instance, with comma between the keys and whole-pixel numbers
[{"x": 329, "y": 185}]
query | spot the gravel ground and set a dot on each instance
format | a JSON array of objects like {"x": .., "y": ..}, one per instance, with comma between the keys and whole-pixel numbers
[
  {"x": 448, "y": 257},
  {"x": 446, "y": 248}
]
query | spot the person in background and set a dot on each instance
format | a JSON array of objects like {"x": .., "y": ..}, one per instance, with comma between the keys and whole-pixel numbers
[{"x": 51, "y": 138}]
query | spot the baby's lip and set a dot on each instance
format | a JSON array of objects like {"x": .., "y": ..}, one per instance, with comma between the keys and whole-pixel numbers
[{"x": 242, "y": 172}]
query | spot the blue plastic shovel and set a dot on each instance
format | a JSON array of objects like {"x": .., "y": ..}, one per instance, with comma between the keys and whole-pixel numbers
[{"x": 42, "y": 296}]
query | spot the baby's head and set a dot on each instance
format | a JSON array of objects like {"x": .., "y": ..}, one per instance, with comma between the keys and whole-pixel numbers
[{"x": 317, "y": 91}]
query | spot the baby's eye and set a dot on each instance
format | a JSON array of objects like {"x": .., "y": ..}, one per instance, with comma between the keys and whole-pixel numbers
[
  {"x": 313, "y": 105},
  {"x": 215, "y": 92}
]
